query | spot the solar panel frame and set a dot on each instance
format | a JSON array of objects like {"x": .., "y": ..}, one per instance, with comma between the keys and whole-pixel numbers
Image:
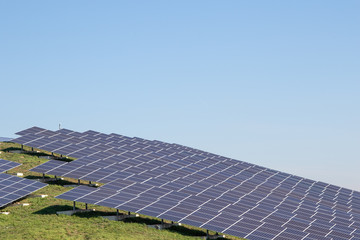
[
  {"x": 207, "y": 190},
  {"x": 6, "y": 165},
  {"x": 31, "y": 130},
  {"x": 13, "y": 188}
]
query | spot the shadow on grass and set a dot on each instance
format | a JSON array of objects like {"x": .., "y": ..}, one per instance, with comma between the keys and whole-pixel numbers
[
  {"x": 64, "y": 159},
  {"x": 142, "y": 220},
  {"x": 53, "y": 209},
  {"x": 8, "y": 149},
  {"x": 94, "y": 214},
  {"x": 97, "y": 213},
  {"x": 187, "y": 231},
  {"x": 32, "y": 177},
  {"x": 39, "y": 154},
  {"x": 11, "y": 149},
  {"x": 58, "y": 182},
  {"x": 177, "y": 229},
  {"x": 191, "y": 232},
  {"x": 31, "y": 153}
]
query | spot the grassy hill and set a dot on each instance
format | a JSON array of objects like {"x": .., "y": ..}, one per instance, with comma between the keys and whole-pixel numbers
[{"x": 39, "y": 220}]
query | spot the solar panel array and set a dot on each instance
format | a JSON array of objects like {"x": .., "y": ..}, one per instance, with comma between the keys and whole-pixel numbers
[
  {"x": 194, "y": 187},
  {"x": 7, "y": 165},
  {"x": 13, "y": 188},
  {"x": 5, "y": 139}
]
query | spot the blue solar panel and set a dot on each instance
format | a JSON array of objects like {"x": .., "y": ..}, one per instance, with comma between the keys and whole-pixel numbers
[
  {"x": 31, "y": 130},
  {"x": 49, "y": 165},
  {"x": 6, "y": 165},
  {"x": 65, "y": 131},
  {"x": 13, "y": 188},
  {"x": 183, "y": 184},
  {"x": 26, "y": 138}
]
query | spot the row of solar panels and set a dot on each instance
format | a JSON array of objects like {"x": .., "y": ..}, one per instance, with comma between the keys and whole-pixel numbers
[
  {"x": 186, "y": 185},
  {"x": 14, "y": 188}
]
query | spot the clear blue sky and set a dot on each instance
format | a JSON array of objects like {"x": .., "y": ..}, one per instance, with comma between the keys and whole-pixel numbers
[{"x": 275, "y": 83}]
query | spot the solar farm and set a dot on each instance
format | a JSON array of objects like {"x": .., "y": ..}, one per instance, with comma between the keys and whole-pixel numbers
[{"x": 194, "y": 193}]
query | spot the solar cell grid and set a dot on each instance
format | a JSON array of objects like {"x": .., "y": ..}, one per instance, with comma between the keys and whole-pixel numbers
[
  {"x": 65, "y": 131},
  {"x": 31, "y": 130},
  {"x": 45, "y": 133},
  {"x": 37, "y": 143},
  {"x": 13, "y": 188},
  {"x": 49, "y": 165},
  {"x": 262, "y": 196},
  {"x": 26, "y": 138},
  {"x": 6, "y": 165},
  {"x": 53, "y": 145}
]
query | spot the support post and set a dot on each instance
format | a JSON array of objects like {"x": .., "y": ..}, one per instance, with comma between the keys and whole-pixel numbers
[
  {"x": 162, "y": 221},
  {"x": 78, "y": 181},
  {"x": 43, "y": 175},
  {"x": 74, "y": 206},
  {"x": 117, "y": 213},
  {"x": 129, "y": 213},
  {"x": 86, "y": 206},
  {"x": 89, "y": 182},
  {"x": 32, "y": 149},
  {"x": 207, "y": 233},
  {"x": 22, "y": 147}
]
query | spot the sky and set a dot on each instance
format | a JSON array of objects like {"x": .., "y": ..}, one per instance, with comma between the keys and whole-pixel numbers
[{"x": 274, "y": 83}]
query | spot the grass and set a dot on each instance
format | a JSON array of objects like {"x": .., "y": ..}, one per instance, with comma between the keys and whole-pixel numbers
[{"x": 39, "y": 220}]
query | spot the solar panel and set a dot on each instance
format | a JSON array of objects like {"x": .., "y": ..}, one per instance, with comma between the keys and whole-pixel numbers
[
  {"x": 5, "y": 139},
  {"x": 47, "y": 166},
  {"x": 26, "y": 138},
  {"x": 7, "y": 165},
  {"x": 264, "y": 220},
  {"x": 39, "y": 142},
  {"x": 65, "y": 131},
  {"x": 13, "y": 188},
  {"x": 107, "y": 154},
  {"x": 31, "y": 130},
  {"x": 194, "y": 187},
  {"x": 46, "y": 133}
]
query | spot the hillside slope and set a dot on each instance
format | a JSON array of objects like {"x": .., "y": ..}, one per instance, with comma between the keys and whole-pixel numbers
[{"x": 39, "y": 220}]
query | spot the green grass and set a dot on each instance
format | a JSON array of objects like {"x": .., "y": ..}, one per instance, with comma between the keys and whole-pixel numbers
[{"x": 39, "y": 220}]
